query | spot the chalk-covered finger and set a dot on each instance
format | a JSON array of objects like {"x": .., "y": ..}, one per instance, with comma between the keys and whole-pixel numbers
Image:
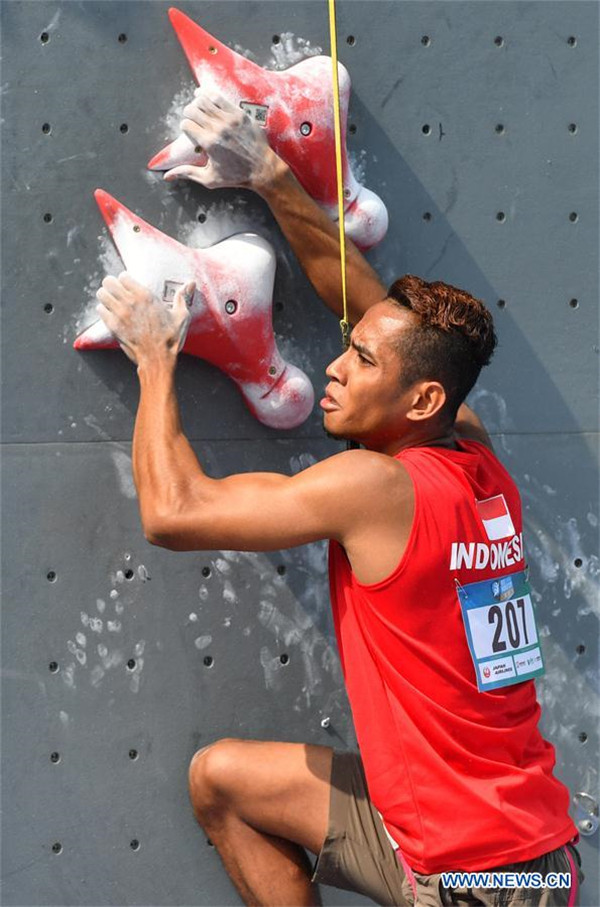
[
  {"x": 199, "y": 135},
  {"x": 115, "y": 287},
  {"x": 107, "y": 317},
  {"x": 131, "y": 284},
  {"x": 186, "y": 172},
  {"x": 197, "y": 114},
  {"x": 106, "y": 298},
  {"x": 220, "y": 102},
  {"x": 185, "y": 296}
]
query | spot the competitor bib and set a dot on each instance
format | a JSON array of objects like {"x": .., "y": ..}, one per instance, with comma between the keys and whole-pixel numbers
[{"x": 501, "y": 630}]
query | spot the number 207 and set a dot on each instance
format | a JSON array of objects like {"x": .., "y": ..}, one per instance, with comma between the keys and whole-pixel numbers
[{"x": 496, "y": 616}]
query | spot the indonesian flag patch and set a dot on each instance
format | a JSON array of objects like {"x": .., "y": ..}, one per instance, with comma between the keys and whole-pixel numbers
[{"x": 495, "y": 517}]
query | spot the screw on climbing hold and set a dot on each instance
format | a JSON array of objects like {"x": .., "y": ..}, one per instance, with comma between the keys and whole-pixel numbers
[
  {"x": 306, "y": 128},
  {"x": 272, "y": 370},
  {"x": 325, "y": 722},
  {"x": 231, "y": 306}
]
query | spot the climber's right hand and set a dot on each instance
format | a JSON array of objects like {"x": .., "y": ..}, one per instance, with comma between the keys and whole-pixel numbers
[{"x": 237, "y": 148}]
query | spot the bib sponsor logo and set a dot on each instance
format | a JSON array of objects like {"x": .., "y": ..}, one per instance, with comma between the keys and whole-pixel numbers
[
  {"x": 495, "y": 517},
  {"x": 498, "y": 669},
  {"x": 480, "y": 556}
]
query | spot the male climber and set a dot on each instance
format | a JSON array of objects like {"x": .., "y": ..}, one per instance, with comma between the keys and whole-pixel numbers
[{"x": 428, "y": 589}]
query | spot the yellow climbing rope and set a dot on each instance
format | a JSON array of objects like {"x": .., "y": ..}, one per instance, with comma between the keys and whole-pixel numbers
[{"x": 344, "y": 323}]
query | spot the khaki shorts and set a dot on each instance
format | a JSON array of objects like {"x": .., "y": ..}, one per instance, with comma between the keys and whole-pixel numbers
[{"x": 357, "y": 856}]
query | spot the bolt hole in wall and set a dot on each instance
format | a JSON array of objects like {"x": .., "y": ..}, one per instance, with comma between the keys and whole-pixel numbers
[
  {"x": 572, "y": 128},
  {"x": 428, "y": 216},
  {"x": 580, "y": 649},
  {"x": 48, "y": 308},
  {"x": 582, "y": 737},
  {"x": 133, "y": 755},
  {"x": 209, "y": 661},
  {"x": 124, "y": 128},
  {"x": 128, "y": 573},
  {"x": 351, "y": 40},
  {"x": 51, "y": 576},
  {"x": 44, "y": 37},
  {"x": 284, "y": 659},
  {"x": 57, "y": 847},
  {"x": 573, "y": 217},
  {"x": 574, "y": 303},
  {"x": 426, "y": 129},
  {"x": 55, "y": 758},
  {"x": 501, "y": 303},
  {"x": 131, "y": 664},
  {"x": 134, "y": 844},
  {"x": 501, "y": 217},
  {"x": 46, "y": 128},
  {"x": 206, "y": 571},
  {"x": 122, "y": 39},
  {"x": 53, "y": 667},
  {"x": 578, "y": 562},
  {"x": 47, "y": 218},
  {"x": 499, "y": 41},
  {"x": 352, "y": 128},
  {"x": 281, "y": 569},
  {"x": 425, "y": 40}
]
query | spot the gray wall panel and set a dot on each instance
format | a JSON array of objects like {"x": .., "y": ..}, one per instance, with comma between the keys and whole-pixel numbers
[{"x": 68, "y": 503}]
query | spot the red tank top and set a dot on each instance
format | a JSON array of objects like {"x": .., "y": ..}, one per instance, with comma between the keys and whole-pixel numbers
[{"x": 462, "y": 778}]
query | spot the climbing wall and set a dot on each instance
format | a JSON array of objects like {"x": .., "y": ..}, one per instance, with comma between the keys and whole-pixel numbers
[{"x": 477, "y": 123}]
